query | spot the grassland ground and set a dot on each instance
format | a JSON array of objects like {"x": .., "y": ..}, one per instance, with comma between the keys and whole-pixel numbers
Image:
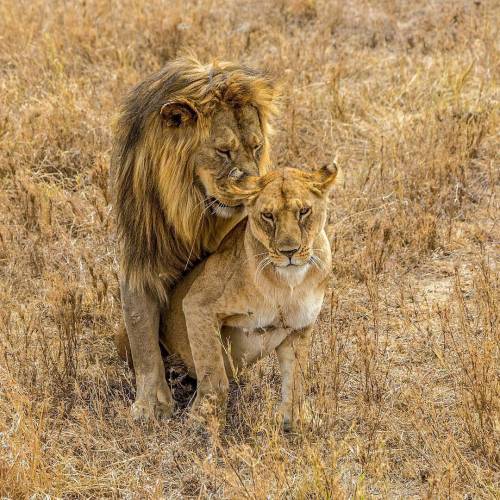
[{"x": 404, "y": 373}]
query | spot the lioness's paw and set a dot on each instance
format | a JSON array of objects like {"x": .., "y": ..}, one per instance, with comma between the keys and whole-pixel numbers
[
  {"x": 283, "y": 414},
  {"x": 148, "y": 412},
  {"x": 163, "y": 410},
  {"x": 209, "y": 412},
  {"x": 293, "y": 419}
]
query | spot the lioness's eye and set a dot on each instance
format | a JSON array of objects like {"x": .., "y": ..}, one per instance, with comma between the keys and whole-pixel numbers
[
  {"x": 267, "y": 216},
  {"x": 304, "y": 211},
  {"x": 225, "y": 153}
]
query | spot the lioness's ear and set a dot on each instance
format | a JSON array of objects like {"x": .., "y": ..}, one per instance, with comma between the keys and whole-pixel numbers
[
  {"x": 244, "y": 190},
  {"x": 179, "y": 113},
  {"x": 324, "y": 178},
  {"x": 252, "y": 185}
]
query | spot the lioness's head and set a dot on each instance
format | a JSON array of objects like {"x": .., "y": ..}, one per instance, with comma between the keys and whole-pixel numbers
[{"x": 286, "y": 212}]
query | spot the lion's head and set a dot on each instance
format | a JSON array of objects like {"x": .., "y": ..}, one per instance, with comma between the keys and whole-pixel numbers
[
  {"x": 286, "y": 212},
  {"x": 181, "y": 136}
]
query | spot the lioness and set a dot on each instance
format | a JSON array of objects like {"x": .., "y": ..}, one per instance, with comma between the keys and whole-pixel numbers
[{"x": 261, "y": 291}]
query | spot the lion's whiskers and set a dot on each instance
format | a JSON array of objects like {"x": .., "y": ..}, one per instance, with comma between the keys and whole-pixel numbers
[
  {"x": 204, "y": 200},
  {"x": 198, "y": 226}
]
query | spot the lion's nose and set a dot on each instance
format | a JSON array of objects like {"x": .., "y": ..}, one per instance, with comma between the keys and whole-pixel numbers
[{"x": 289, "y": 252}]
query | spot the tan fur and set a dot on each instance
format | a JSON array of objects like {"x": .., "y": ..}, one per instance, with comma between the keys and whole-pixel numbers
[
  {"x": 247, "y": 300},
  {"x": 163, "y": 224}
]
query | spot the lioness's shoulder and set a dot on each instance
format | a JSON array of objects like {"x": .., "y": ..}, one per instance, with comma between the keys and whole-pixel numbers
[{"x": 233, "y": 241}]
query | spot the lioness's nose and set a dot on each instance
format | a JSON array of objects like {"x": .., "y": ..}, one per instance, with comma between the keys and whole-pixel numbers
[{"x": 289, "y": 252}]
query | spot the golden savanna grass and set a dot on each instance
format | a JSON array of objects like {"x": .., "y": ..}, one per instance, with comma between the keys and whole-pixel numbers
[{"x": 404, "y": 375}]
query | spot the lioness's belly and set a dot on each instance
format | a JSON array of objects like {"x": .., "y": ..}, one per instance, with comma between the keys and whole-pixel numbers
[
  {"x": 245, "y": 348},
  {"x": 240, "y": 347}
]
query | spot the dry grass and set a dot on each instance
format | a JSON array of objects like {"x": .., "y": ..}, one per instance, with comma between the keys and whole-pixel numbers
[{"x": 405, "y": 368}]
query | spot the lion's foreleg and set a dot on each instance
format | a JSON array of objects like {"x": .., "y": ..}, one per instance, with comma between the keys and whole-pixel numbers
[
  {"x": 141, "y": 313},
  {"x": 293, "y": 355}
]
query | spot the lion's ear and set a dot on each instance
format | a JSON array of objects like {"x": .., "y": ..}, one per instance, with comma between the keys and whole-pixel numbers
[
  {"x": 324, "y": 178},
  {"x": 179, "y": 113}
]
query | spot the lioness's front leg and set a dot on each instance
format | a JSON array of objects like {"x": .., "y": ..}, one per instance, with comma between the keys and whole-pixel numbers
[
  {"x": 204, "y": 339},
  {"x": 293, "y": 353},
  {"x": 141, "y": 314}
]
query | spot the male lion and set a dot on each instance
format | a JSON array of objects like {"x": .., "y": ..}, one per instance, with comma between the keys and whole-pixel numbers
[
  {"x": 261, "y": 291},
  {"x": 181, "y": 135}
]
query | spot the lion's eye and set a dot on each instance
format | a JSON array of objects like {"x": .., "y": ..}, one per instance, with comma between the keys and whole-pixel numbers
[
  {"x": 225, "y": 153},
  {"x": 257, "y": 148},
  {"x": 236, "y": 173},
  {"x": 267, "y": 216},
  {"x": 304, "y": 211}
]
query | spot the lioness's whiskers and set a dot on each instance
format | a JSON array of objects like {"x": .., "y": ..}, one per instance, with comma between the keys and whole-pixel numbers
[
  {"x": 312, "y": 261},
  {"x": 317, "y": 250},
  {"x": 261, "y": 266},
  {"x": 259, "y": 254},
  {"x": 255, "y": 255},
  {"x": 317, "y": 262}
]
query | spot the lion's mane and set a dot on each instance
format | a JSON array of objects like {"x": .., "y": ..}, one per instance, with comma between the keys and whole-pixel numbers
[{"x": 158, "y": 205}]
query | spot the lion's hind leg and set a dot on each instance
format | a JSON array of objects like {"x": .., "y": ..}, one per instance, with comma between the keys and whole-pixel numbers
[{"x": 122, "y": 345}]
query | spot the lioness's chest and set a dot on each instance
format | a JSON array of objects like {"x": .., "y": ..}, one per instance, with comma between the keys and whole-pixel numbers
[{"x": 293, "y": 310}]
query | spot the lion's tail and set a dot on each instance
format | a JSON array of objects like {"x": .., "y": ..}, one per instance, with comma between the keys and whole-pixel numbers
[{"x": 123, "y": 345}]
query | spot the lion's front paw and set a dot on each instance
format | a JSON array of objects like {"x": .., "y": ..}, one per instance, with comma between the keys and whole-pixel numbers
[{"x": 147, "y": 412}]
